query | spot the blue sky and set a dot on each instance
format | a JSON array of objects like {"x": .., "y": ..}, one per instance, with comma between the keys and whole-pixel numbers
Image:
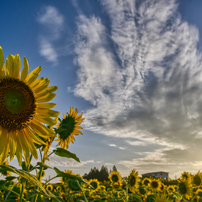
[{"x": 132, "y": 67}]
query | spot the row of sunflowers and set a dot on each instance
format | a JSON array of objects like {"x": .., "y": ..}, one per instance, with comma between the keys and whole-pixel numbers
[{"x": 116, "y": 189}]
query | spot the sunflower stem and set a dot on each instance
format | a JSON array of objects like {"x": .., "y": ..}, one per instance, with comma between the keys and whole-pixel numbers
[
  {"x": 127, "y": 192},
  {"x": 21, "y": 191},
  {"x": 86, "y": 200}
]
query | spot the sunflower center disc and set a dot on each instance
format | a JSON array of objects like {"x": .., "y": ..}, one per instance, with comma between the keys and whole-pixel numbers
[{"x": 17, "y": 104}]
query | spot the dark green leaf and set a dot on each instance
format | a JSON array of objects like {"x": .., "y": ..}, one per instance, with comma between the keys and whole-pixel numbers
[{"x": 64, "y": 153}]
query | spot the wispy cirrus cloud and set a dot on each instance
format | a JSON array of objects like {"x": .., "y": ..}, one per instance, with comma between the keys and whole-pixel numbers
[
  {"x": 52, "y": 22},
  {"x": 143, "y": 75}
]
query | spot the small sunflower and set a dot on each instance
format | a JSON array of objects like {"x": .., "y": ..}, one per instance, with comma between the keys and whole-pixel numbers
[
  {"x": 24, "y": 109},
  {"x": 68, "y": 127},
  {"x": 95, "y": 183},
  {"x": 184, "y": 188},
  {"x": 146, "y": 181},
  {"x": 115, "y": 177},
  {"x": 133, "y": 180},
  {"x": 49, "y": 187},
  {"x": 170, "y": 188},
  {"x": 186, "y": 176},
  {"x": 197, "y": 179},
  {"x": 155, "y": 184}
]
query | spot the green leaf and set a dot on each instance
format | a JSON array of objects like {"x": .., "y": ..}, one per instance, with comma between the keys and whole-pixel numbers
[
  {"x": 9, "y": 178},
  {"x": 43, "y": 165},
  {"x": 64, "y": 153},
  {"x": 178, "y": 196},
  {"x": 28, "y": 176},
  {"x": 2, "y": 184}
]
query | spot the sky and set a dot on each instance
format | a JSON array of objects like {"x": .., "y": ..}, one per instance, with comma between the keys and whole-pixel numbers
[{"x": 133, "y": 67}]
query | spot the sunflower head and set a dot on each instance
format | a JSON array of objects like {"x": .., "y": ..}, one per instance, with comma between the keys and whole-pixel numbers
[
  {"x": 146, "y": 181},
  {"x": 68, "y": 127},
  {"x": 184, "y": 188},
  {"x": 115, "y": 177},
  {"x": 95, "y": 183},
  {"x": 49, "y": 187},
  {"x": 197, "y": 179},
  {"x": 24, "y": 109},
  {"x": 155, "y": 184},
  {"x": 133, "y": 180},
  {"x": 186, "y": 176}
]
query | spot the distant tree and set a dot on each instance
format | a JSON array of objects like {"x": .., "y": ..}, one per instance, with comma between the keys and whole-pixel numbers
[
  {"x": 114, "y": 168},
  {"x": 94, "y": 173},
  {"x": 104, "y": 173}
]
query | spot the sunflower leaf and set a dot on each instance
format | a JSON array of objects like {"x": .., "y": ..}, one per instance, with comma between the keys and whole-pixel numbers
[
  {"x": 64, "y": 153},
  {"x": 26, "y": 175}
]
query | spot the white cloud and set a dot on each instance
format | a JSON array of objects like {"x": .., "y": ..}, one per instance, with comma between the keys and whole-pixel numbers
[
  {"x": 47, "y": 51},
  {"x": 52, "y": 22},
  {"x": 112, "y": 145},
  {"x": 143, "y": 74}
]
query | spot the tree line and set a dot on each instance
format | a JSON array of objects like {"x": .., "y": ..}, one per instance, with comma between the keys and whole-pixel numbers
[{"x": 100, "y": 175}]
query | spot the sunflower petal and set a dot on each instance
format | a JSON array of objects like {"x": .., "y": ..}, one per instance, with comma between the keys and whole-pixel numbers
[
  {"x": 24, "y": 145},
  {"x": 33, "y": 75},
  {"x": 12, "y": 142},
  {"x": 2, "y": 65},
  {"x": 46, "y": 98},
  {"x": 25, "y": 69},
  {"x": 16, "y": 67},
  {"x": 30, "y": 143},
  {"x": 45, "y": 105},
  {"x": 9, "y": 65},
  {"x": 35, "y": 137}
]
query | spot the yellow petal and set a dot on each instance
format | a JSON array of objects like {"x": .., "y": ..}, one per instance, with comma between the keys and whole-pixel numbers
[
  {"x": 41, "y": 86},
  {"x": 2, "y": 65},
  {"x": 35, "y": 84},
  {"x": 30, "y": 144},
  {"x": 33, "y": 75},
  {"x": 12, "y": 142},
  {"x": 9, "y": 65},
  {"x": 45, "y": 120},
  {"x": 46, "y": 98},
  {"x": 46, "y": 105},
  {"x": 41, "y": 130},
  {"x": 24, "y": 145},
  {"x": 16, "y": 67},
  {"x": 35, "y": 137},
  {"x": 25, "y": 69},
  {"x": 46, "y": 91},
  {"x": 18, "y": 150}
]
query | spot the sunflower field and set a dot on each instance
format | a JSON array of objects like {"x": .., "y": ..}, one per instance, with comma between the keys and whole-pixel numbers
[{"x": 29, "y": 126}]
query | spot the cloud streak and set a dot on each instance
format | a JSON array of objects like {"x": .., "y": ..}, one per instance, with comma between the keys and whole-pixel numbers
[
  {"x": 149, "y": 85},
  {"x": 52, "y": 22}
]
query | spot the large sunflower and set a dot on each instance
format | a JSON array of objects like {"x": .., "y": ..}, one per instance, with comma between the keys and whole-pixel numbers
[
  {"x": 68, "y": 127},
  {"x": 23, "y": 109}
]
